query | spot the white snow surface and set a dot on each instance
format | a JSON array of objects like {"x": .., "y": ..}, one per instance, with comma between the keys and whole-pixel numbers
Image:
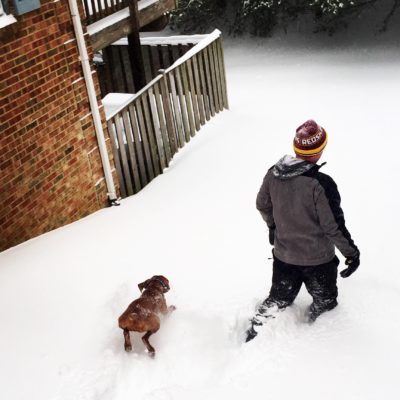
[{"x": 62, "y": 293}]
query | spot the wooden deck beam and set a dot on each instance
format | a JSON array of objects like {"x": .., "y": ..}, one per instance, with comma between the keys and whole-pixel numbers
[{"x": 122, "y": 28}]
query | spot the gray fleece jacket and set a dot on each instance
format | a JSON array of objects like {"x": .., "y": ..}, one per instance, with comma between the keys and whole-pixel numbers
[{"x": 302, "y": 205}]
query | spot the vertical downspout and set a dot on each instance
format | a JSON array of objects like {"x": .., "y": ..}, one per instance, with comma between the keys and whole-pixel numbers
[{"x": 87, "y": 73}]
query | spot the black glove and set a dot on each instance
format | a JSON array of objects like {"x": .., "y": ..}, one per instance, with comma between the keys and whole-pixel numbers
[
  {"x": 271, "y": 236},
  {"x": 353, "y": 263}
]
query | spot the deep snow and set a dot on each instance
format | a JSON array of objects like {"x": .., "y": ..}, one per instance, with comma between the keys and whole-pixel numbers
[{"x": 61, "y": 293}]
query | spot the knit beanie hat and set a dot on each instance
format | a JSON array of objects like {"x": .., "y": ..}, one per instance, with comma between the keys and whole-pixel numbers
[{"x": 310, "y": 139}]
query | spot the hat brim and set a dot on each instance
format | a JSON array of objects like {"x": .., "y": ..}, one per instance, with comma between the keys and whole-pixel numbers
[{"x": 312, "y": 152}]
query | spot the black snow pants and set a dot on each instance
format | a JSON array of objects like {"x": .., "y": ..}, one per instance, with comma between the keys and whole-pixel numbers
[{"x": 320, "y": 282}]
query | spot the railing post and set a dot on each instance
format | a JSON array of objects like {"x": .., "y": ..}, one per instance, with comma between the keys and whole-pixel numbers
[
  {"x": 135, "y": 50},
  {"x": 168, "y": 113},
  {"x": 223, "y": 73}
]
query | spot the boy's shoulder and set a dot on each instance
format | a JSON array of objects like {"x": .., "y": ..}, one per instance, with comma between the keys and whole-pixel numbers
[{"x": 323, "y": 179}]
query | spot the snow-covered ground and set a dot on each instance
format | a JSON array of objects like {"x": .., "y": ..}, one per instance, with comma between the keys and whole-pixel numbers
[{"x": 61, "y": 293}]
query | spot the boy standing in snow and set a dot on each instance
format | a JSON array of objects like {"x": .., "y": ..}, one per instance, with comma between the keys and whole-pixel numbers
[{"x": 301, "y": 207}]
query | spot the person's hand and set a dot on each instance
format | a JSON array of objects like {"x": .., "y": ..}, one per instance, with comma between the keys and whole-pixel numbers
[
  {"x": 271, "y": 236},
  {"x": 353, "y": 263}
]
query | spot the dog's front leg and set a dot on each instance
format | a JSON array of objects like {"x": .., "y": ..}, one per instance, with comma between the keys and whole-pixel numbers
[
  {"x": 171, "y": 308},
  {"x": 127, "y": 337},
  {"x": 167, "y": 310}
]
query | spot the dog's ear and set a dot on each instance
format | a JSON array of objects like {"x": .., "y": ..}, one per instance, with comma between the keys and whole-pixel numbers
[{"x": 142, "y": 285}]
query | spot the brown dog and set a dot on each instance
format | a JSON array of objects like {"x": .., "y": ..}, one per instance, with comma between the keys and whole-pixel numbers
[{"x": 142, "y": 315}]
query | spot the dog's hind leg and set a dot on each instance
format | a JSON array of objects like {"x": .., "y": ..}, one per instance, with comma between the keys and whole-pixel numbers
[
  {"x": 150, "y": 348},
  {"x": 127, "y": 337}
]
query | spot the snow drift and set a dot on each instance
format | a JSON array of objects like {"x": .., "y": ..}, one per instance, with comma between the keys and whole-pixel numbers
[{"x": 61, "y": 293}]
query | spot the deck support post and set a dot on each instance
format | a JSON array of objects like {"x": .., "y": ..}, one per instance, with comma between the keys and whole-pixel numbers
[{"x": 135, "y": 50}]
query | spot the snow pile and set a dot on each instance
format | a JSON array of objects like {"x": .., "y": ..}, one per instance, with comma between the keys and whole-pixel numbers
[{"x": 61, "y": 294}]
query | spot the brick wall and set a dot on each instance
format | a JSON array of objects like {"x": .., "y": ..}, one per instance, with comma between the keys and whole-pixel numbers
[{"x": 50, "y": 168}]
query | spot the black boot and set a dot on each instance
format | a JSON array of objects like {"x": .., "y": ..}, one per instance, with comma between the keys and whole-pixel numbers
[
  {"x": 251, "y": 333},
  {"x": 314, "y": 311},
  {"x": 264, "y": 312}
]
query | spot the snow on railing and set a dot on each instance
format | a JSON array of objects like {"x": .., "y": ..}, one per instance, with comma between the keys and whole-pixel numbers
[
  {"x": 164, "y": 40},
  {"x": 156, "y": 122}
]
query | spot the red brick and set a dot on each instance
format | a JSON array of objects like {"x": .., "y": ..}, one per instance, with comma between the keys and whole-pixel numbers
[{"x": 47, "y": 179}]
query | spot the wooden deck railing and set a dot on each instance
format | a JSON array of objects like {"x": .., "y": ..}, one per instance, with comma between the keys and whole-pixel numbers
[
  {"x": 148, "y": 131},
  {"x": 115, "y": 71},
  {"x": 98, "y": 9}
]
